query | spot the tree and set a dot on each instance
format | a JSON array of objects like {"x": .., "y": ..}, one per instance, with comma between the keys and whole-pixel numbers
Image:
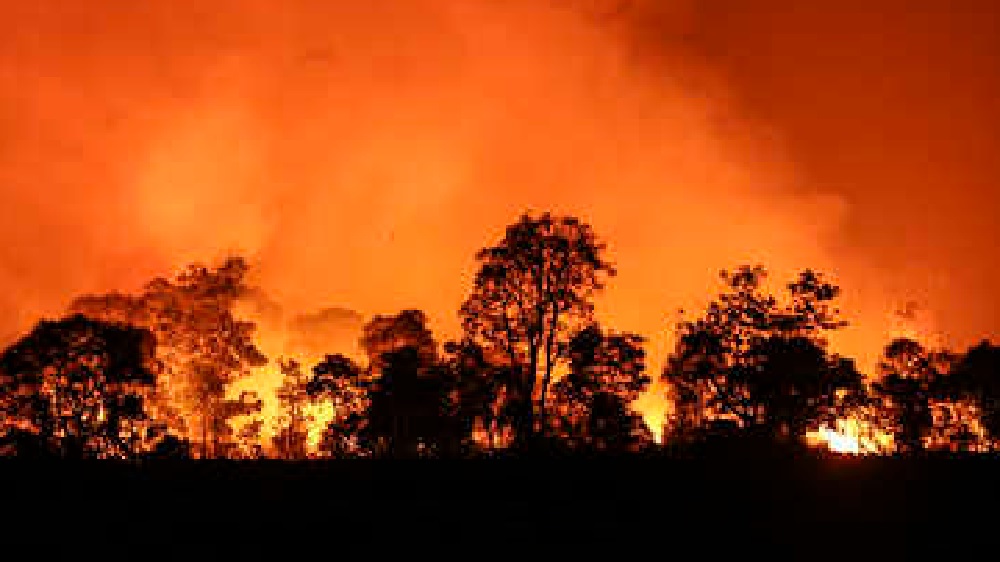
[
  {"x": 976, "y": 376},
  {"x": 407, "y": 392},
  {"x": 709, "y": 367},
  {"x": 609, "y": 362},
  {"x": 400, "y": 405},
  {"x": 341, "y": 381},
  {"x": 408, "y": 411},
  {"x": 907, "y": 374},
  {"x": 752, "y": 361},
  {"x": 532, "y": 290},
  {"x": 201, "y": 343},
  {"x": 796, "y": 384},
  {"x": 227, "y": 441},
  {"x": 75, "y": 388},
  {"x": 614, "y": 428},
  {"x": 486, "y": 395},
  {"x": 592, "y": 402},
  {"x": 384, "y": 334},
  {"x": 810, "y": 311},
  {"x": 291, "y": 441}
]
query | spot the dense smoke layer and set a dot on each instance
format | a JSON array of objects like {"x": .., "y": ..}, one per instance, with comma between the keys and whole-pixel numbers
[{"x": 361, "y": 152}]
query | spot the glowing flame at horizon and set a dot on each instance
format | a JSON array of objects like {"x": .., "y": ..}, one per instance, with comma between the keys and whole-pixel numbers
[{"x": 852, "y": 436}]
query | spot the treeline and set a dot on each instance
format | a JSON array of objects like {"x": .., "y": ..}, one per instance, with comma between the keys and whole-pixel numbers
[{"x": 148, "y": 375}]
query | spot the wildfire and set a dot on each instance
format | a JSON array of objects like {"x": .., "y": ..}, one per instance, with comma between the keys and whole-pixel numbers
[
  {"x": 852, "y": 436},
  {"x": 958, "y": 426},
  {"x": 265, "y": 383},
  {"x": 655, "y": 409},
  {"x": 275, "y": 341}
]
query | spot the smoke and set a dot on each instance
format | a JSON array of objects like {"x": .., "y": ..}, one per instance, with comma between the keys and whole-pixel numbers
[
  {"x": 318, "y": 333},
  {"x": 361, "y": 152}
]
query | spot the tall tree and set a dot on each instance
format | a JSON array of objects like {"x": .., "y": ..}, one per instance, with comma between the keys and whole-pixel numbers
[
  {"x": 291, "y": 441},
  {"x": 75, "y": 388},
  {"x": 202, "y": 344},
  {"x": 532, "y": 291}
]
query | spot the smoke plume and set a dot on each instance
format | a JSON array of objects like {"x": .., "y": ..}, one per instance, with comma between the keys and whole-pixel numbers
[{"x": 361, "y": 152}]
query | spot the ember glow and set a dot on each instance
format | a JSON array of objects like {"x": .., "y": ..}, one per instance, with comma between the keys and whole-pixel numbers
[
  {"x": 852, "y": 436},
  {"x": 305, "y": 339}
]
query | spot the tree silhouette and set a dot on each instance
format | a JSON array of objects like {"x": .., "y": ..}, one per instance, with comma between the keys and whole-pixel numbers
[
  {"x": 935, "y": 399},
  {"x": 608, "y": 362},
  {"x": 75, "y": 388},
  {"x": 908, "y": 375},
  {"x": 203, "y": 346},
  {"x": 976, "y": 376},
  {"x": 810, "y": 311},
  {"x": 341, "y": 381},
  {"x": 384, "y": 334},
  {"x": 614, "y": 428},
  {"x": 487, "y": 395},
  {"x": 796, "y": 384},
  {"x": 607, "y": 373},
  {"x": 850, "y": 397},
  {"x": 402, "y": 404},
  {"x": 712, "y": 360},
  {"x": 750, "y": 360},
  {"x": 533, "y": 289},
  {"x": 408, "y": 412},
  {"x": 291, "y": 441}
]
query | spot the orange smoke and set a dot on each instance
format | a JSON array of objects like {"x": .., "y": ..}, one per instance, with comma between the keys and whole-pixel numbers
[{"x": 362, "y": 152}]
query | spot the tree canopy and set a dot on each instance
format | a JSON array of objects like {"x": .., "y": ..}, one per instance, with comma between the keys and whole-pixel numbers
[
  {"x": 76, "y": 388},
  {"x": 534, "y": 288},
  {"x": 204, "y": 347},
  {"x": 532, "y": 370}
]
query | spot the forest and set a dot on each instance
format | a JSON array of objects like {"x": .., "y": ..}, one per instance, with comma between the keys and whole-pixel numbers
[{"x": 155, "y": 375}]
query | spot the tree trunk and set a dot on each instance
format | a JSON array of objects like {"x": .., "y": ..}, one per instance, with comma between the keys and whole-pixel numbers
[
  {"x": 290, "y": 451},
  {"x": 547, "y": 379},
  {"x": 526, "y": 430},
  {"x": 204, "y": 435}
]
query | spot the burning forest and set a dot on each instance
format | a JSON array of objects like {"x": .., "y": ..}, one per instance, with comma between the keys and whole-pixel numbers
[
  {"x": 250, "y": 248},
  {"x": 201, "y": 365}
]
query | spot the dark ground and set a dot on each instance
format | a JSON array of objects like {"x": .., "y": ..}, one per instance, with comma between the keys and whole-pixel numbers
[{"x": 717, "y": 509}]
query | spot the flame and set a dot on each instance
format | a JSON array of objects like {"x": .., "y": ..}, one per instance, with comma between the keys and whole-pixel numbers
[
  {"x": 655, "y": 408},
  {"x": 275, "y": 341},
  {"x": 265, "y": 383},
  {"x": 852, "y": 436}
]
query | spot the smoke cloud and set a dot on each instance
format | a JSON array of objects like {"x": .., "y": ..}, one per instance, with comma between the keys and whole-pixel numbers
[{"x": 361, "y": 152}]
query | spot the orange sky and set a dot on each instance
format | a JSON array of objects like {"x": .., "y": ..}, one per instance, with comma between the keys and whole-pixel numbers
[{"x": 361, "y": 152}]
